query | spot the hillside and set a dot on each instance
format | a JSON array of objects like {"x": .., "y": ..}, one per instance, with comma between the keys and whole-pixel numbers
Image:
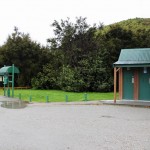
[{"x": 136, "y": 24}]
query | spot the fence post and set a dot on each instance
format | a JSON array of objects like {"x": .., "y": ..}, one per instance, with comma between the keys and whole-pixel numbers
[
  {"x": 85, "y": 97},
  {"x": 30, "y": 98},
  {"x": 20, "y": 96},
  {"x": 66, "y": 98},
  {"x": 47, "y": 99}
]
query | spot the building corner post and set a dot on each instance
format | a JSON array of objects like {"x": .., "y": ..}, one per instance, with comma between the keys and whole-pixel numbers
[
  {"x": 13, "y": 70},
  {"x": 115, "y": 79}
]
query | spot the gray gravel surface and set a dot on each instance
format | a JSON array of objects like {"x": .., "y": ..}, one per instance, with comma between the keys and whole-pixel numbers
[{"x": 75, "y": 127}]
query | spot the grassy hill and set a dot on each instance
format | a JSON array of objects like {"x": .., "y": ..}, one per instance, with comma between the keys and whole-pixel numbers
[{"x": 136, "y": 24}]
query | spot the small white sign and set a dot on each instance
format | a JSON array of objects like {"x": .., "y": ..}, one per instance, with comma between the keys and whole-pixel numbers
[
  {"x": 1, "y": 78},
  {"x": 132, "y": 79}
]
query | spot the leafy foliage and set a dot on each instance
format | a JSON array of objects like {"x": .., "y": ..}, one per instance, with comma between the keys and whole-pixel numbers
[
  {"x": 23, "y": 53},
  {"x": 79, "y": 56}
]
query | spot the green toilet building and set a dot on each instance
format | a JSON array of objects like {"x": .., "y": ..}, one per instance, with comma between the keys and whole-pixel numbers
[{"x": 133, "y": 71}]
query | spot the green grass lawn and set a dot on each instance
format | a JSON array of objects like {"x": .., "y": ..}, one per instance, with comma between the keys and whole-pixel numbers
[{"x": 59, "y": 96}]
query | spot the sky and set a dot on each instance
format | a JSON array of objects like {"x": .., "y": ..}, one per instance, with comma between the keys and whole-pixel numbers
[{"x": 36, "y": 16}]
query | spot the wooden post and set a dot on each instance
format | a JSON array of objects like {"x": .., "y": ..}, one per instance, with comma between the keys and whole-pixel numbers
[
  {"x": 13, "y": 70},
  {"x": 115, "y": 79},
  {"x": 120, "y": 84}
]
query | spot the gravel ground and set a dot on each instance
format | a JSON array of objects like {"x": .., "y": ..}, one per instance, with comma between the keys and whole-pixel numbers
[{"x": 75, "y": 127}]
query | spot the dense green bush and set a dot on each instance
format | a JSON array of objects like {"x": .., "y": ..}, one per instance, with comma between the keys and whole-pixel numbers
[{"x": 78, "y": 58}]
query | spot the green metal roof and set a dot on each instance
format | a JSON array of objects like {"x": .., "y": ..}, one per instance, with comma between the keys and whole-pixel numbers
[
  {"x": 138, "y": 57},
  {"x": 7, "y": 70}
]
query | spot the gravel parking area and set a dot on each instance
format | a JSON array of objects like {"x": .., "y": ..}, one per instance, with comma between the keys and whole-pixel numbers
[{"x": 75, "y": 127}]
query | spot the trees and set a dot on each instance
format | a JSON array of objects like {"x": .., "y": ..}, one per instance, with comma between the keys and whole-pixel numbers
[
  {"x": 75, "y": 40},
  {"x": 80, "y": 57},
  {"x": 48, "y": 77},
  {"x": 88, "y": 53},
  {"x": 27, "y": 55},
  {"x": 82, "y": 68}
]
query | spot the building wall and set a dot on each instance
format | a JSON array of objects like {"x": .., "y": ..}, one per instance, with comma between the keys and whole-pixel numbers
[
  {"x": 134, "y": 84},
  {"x": 144, "y": 84}
]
